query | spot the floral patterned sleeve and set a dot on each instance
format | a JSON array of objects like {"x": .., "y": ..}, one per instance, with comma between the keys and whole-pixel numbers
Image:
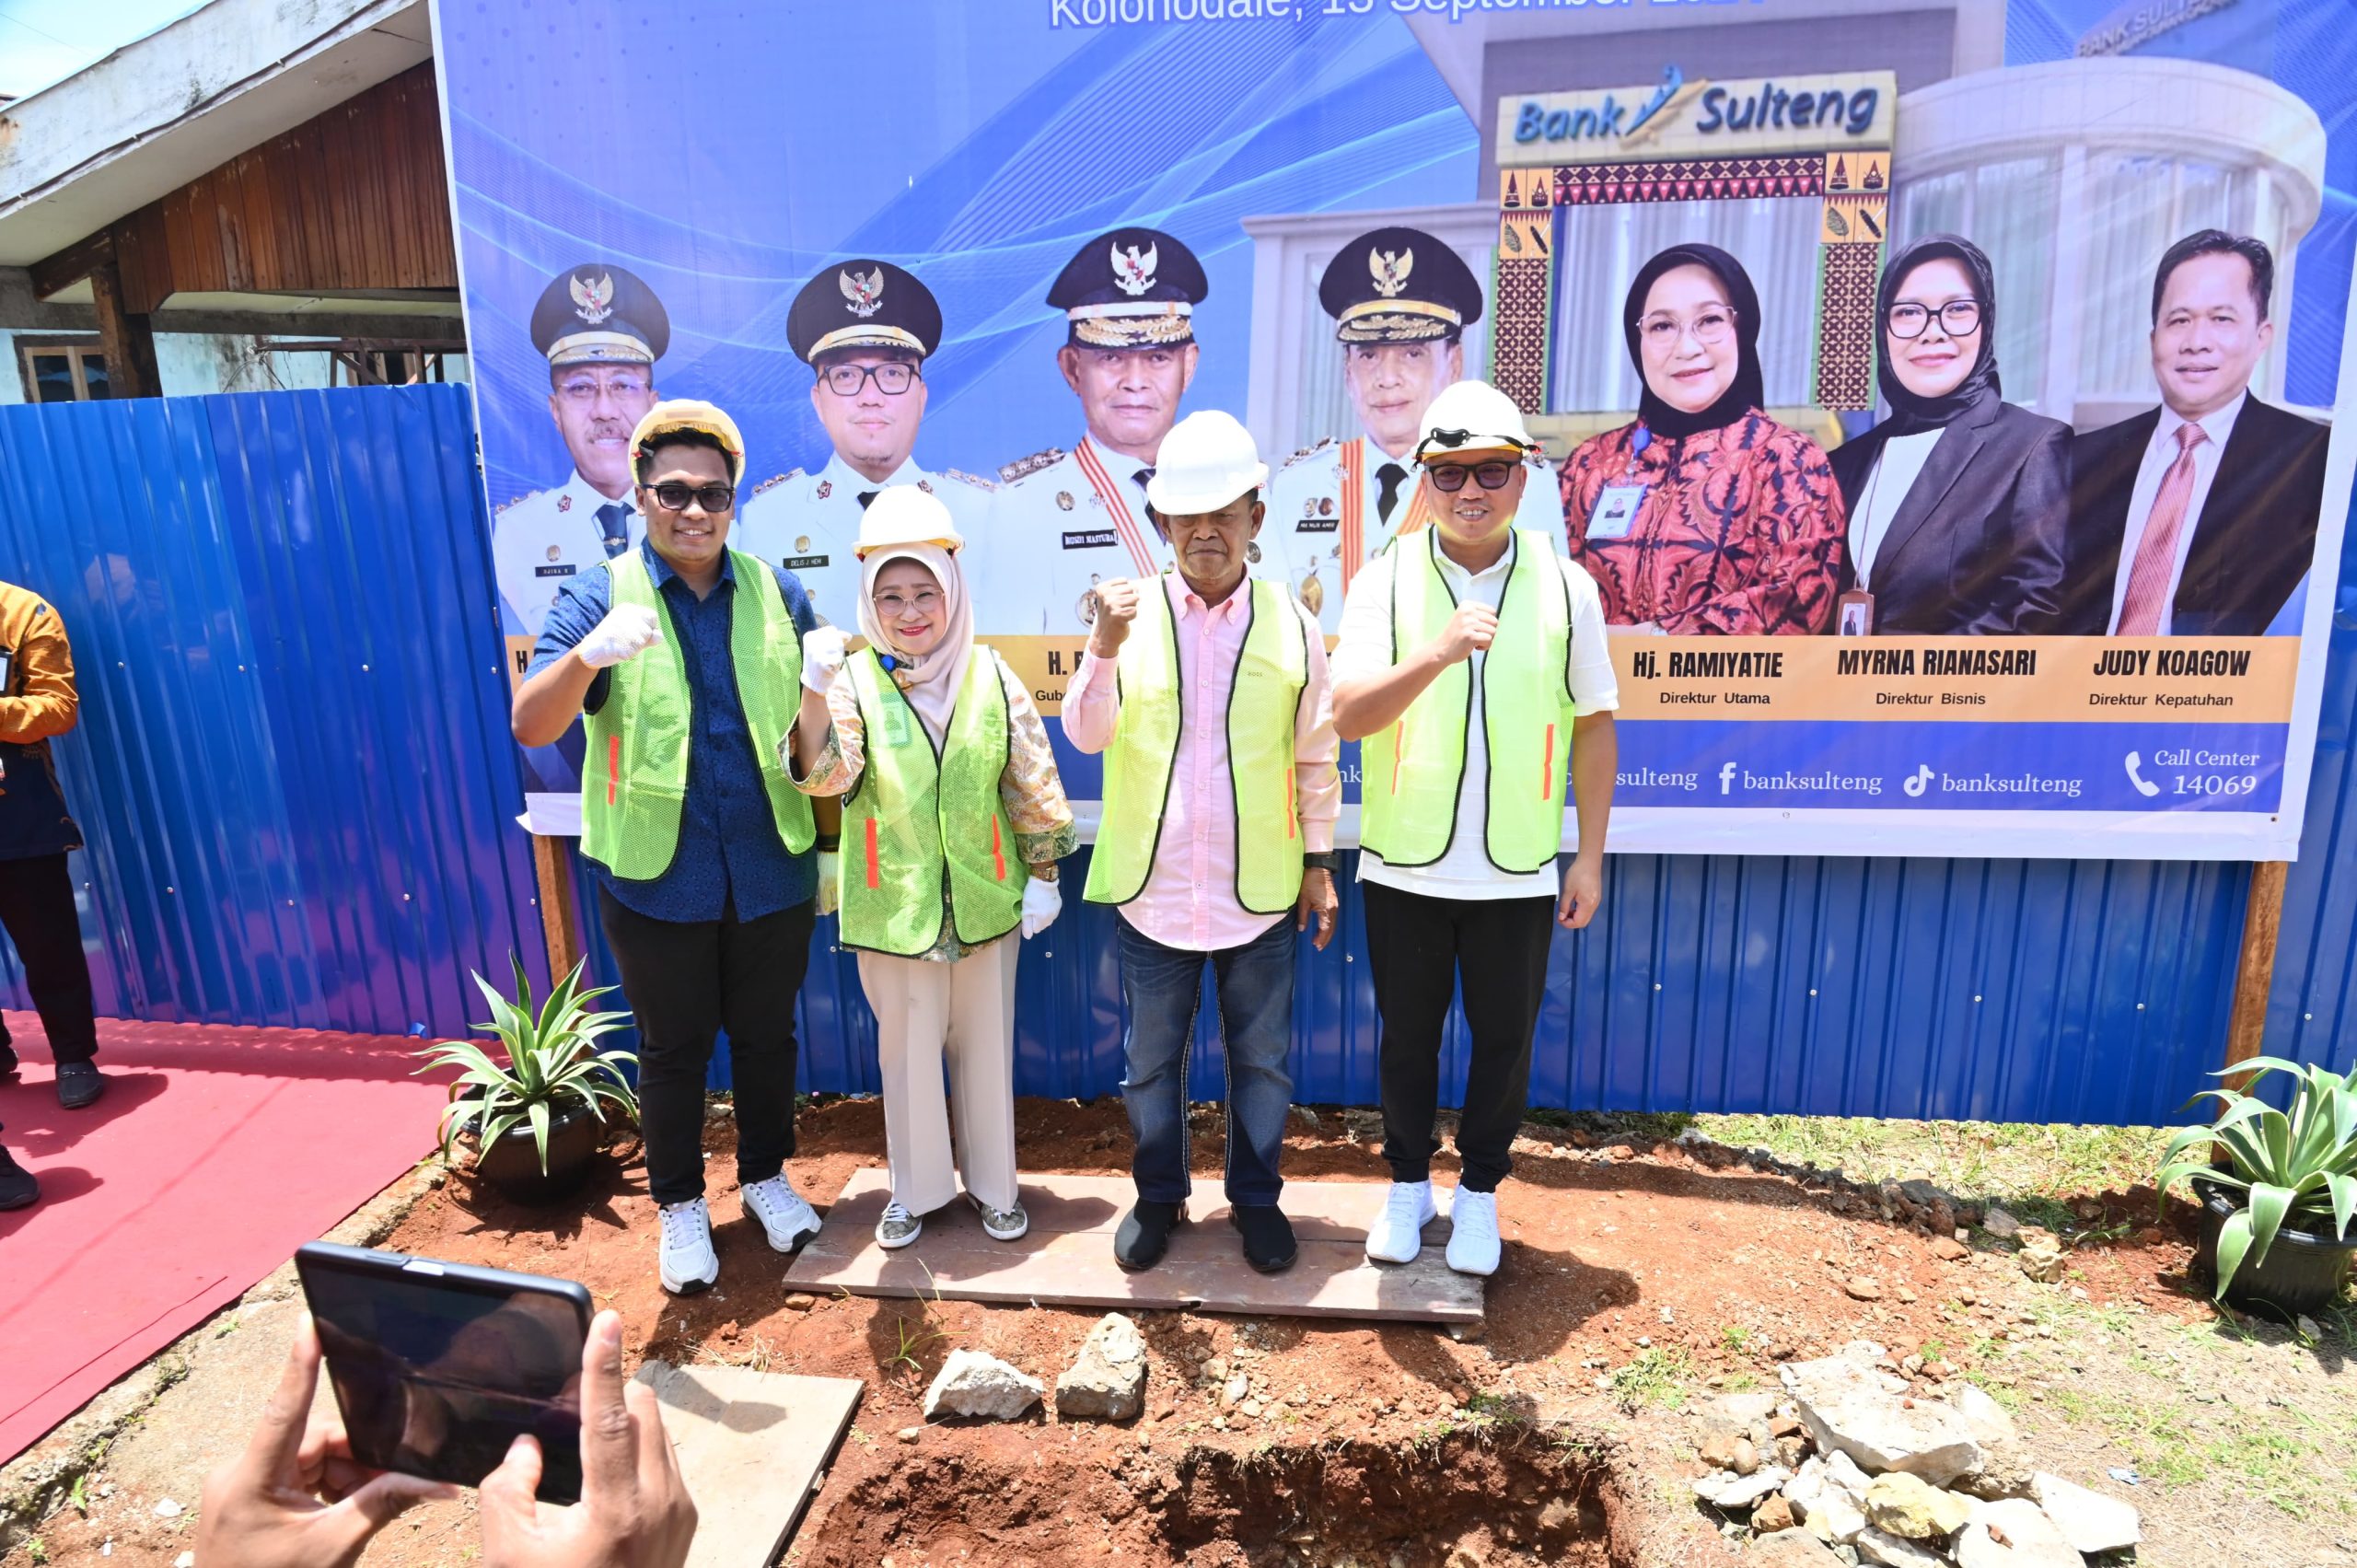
[
  {"x": 844, "y": 756},
  {"x": 1030, "y": 788}
]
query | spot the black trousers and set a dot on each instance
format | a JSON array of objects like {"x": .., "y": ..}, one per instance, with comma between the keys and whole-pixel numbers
[
  {"x": 1417, "y": 948},
  {"x": 686, "y": 982},
  {"x": 36, "y": 910}
]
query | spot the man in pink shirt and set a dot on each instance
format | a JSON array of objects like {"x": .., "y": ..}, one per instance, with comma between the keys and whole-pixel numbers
[{"x": 1207, "y": 690}]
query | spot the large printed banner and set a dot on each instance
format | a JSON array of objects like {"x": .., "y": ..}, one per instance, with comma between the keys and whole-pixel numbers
[{"x": 1942, "y": 398}]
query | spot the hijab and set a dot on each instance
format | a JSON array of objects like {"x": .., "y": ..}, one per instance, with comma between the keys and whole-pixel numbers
[
  {"x": 930, "y": 682},
  {"x": 1743, "y": 392},
  {"x": 1911, "y": 412}
]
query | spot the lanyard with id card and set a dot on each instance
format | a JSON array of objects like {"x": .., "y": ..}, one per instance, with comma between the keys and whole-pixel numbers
[{"x": 1618, "y": 505}]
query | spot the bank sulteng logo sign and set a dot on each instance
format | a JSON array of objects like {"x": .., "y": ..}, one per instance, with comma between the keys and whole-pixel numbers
[{"x": 1694, "y": 117}]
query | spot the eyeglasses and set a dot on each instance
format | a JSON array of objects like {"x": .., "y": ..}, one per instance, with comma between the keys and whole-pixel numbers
[
  {"x": 893, "y": 377},
  {"x": 892, "y": 607},
  {"x": 584, "y": 390},
  {"x": 1709, "y": 326},
  {"x": 1958, "y": 318},
  {"x": 673, "y": 496},
  {"x": 1451, "y": 477}
]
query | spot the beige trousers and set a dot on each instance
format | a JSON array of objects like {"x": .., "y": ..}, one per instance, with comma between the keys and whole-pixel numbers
[{"x": 963, "y": 1015}]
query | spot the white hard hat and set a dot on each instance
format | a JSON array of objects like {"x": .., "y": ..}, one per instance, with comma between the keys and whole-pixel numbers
[
  {"x": 904, "y": 513},
  {"x": 1206, "y": 461},
  {"x": 1471, "y": 416}
]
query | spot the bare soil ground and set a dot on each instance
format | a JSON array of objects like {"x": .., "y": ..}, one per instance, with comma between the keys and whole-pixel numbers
[{"x": 1641, "y": 1276}]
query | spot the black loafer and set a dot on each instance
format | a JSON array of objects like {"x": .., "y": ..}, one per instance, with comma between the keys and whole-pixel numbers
[
  {"x": 7, "y": 1060},
  {"x": 1267, "y": 1237},
  {"x": 79, "y": 1084},
  {"x": 17, "y": 1188},
  {"x": 1144, "y": 1234}
]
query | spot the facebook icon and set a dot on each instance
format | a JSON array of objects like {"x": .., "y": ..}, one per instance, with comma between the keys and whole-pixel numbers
[{"x": 1726, "y": 778}]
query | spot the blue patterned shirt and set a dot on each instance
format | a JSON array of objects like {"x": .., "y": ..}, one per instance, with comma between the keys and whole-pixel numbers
[{"x": 729, "y": 849}]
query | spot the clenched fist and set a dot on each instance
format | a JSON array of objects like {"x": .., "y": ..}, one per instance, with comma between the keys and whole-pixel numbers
[
  {"x": 1117, "y": 606},
  {"x": 1468, "y": 632},
  {"x": 627, "y": 630}
]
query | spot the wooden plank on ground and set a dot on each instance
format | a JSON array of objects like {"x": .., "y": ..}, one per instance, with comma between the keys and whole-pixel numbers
[
  {"x": 752, "y": 1448},
  {"x": 1067, "y": 1258}
]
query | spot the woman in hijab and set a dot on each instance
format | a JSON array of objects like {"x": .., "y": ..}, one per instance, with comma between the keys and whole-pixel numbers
[
  {"x": 955, "y": 818},
  {"x": 1959, "y": 502},
  {"x": 1705, "y": 515}
]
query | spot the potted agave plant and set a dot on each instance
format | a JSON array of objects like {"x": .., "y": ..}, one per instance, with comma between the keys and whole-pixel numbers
[
  {"x": 537, "y": 1120},
  {"x": 2278, "y": 1188}
]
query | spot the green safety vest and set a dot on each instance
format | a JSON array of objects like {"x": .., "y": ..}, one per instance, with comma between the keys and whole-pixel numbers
[
  {"x": 635, "y": 778},
  {"x": 1412, "y": 769},
  {"x": 925, "y": 828},
  {"x": 1263, "y": 701}
]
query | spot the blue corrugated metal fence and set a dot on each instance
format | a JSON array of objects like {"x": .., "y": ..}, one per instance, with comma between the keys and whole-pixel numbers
[{"x": 294, "y": 773}]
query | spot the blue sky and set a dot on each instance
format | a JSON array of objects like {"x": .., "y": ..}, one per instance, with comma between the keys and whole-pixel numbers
[{"x": 41, "y": 40}]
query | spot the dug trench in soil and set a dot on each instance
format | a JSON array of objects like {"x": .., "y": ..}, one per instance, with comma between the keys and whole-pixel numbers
[{"x": 1514, "y": 1498}]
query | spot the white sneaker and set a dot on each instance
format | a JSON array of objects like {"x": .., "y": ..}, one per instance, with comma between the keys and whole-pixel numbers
[
  {"x": 789, "y": 1221},
  {"x": 687, "y": 1262},
  {"x": 898, "y": 1228},
  {"x": 1473, "y": 1232},
  {"x": 1397, "y": 1232},
  {"x": 1001, "y": 1224}
]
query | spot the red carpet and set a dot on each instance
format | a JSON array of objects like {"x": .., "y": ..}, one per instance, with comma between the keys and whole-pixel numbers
[{"x": 215, "y": 1153}]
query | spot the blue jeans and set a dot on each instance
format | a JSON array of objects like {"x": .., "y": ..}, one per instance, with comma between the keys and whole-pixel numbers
[{"x": 1163, "y": 986}]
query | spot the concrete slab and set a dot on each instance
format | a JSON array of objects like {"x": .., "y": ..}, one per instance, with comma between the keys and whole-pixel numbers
[
  {"x": 1067, "y": 1257},
  {"x": 753, "y": 1446}
]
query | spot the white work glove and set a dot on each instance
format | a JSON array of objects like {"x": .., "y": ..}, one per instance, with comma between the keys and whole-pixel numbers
[
  {"x": 628, "y": 630},
  {"x": 823, "y": 652},
  {"x": 1041, "y": 904},
  {"x": 831, "y": 889}
]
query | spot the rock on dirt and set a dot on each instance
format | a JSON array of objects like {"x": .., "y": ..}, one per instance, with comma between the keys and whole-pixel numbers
[
  {"x": 1895, "y": 1551},
  {"x": 1948, "y": 1249},
  {"x": 1773, "y": 1513},
  {"x": 1862, "y": 1287},
  {"x": 1792, "y": 1548},
  {"x": 1998, "y": 1223},
  {"x": 1903, "y": 1504},
  {"x": 1736, "y": 1492},
  {"x": 2014, "y": 1534},
  {"x": 1985, "y": 1417},
  {"x": 1829, "y": 1493},
  {"x": 2041, "y": 1254},
  {"x": 971, "y": 1383},
  {"x": 2088, "y": 1520},
  {"x": 1107, "y": 1380},
  {"x": 1843, "y": 1400}
]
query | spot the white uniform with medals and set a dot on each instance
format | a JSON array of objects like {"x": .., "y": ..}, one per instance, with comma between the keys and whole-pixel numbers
[
  {"x": 808, "y": 522},
  {"x": 1062, "y": 523},
  {"x": 1308, "y": 525},
  {"x": 543, "y": 542}
]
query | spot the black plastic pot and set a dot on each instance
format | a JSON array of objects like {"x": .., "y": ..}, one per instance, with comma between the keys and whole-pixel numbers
[
  {"x": 512, "y": 1166},
  {"x": 2303, "y": 1272}
]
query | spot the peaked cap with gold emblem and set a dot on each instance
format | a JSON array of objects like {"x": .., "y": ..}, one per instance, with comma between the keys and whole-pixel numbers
[
  {"x": 596, "y": 314},
  {"x": 1131, "y": 288},
  {"x": 1398, "y": 285},
  {"x": 864, "y": 303}
]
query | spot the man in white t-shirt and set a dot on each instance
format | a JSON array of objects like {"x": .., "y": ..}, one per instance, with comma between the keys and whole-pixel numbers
[{"x": 1472, "y": 662}]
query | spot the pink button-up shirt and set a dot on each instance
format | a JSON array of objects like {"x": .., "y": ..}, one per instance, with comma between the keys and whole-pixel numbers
[{"x": 1189, "y": 899}]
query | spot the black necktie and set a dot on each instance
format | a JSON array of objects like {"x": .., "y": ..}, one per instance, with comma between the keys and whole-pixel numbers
[
  {"x": 867, "y": 496},
  {"x": 1389, "y": 478},
  {"x": 613, "y": 521}
]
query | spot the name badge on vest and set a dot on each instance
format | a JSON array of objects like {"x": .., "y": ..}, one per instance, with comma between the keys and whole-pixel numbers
[
  {"x": 896, "y": 722},
  {"x": 1615, "y": 511}
]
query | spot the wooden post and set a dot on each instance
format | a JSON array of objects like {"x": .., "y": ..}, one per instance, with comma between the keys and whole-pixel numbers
[
  {"x": 560, "y": 914},
  {"x": 129, "y": 339},
  {"x": 2255, "y": 975}
]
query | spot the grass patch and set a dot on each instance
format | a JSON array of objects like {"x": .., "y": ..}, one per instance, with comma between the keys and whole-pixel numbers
[
  {"x": 1657, "y": 1378},
  {"x": 2023, "y": 1165}
]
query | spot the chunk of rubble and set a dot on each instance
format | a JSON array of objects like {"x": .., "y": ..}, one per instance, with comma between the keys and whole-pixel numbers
[
  {"x": 1908, "y": 1506},
  {"x": 1829, "y": 1495},
  {"x": 973, "y": 1383},
  {"x": 2090, "y": 1522},
  {"x": 1848, "y": 1407},
  {"x": 1107, "y": 1380},
  {"x": 1724, "y": 1488},
  {"x": 2014, "y": 1534}
]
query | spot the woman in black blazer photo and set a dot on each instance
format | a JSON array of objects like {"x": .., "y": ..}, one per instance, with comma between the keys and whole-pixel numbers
[{"x": 1960, "y": 503}]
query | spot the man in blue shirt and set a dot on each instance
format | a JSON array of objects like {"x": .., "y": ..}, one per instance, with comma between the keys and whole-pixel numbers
[{"x": 685, "y": 656}]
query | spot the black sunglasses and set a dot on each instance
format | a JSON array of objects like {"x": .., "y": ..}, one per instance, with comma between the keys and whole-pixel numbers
[
  {"x": 673, "y": 496},
  {"x": 1450, "y": 477}
]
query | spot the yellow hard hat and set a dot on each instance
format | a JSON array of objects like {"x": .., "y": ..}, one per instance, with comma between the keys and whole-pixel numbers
[{"x": 674, "y": 414}]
